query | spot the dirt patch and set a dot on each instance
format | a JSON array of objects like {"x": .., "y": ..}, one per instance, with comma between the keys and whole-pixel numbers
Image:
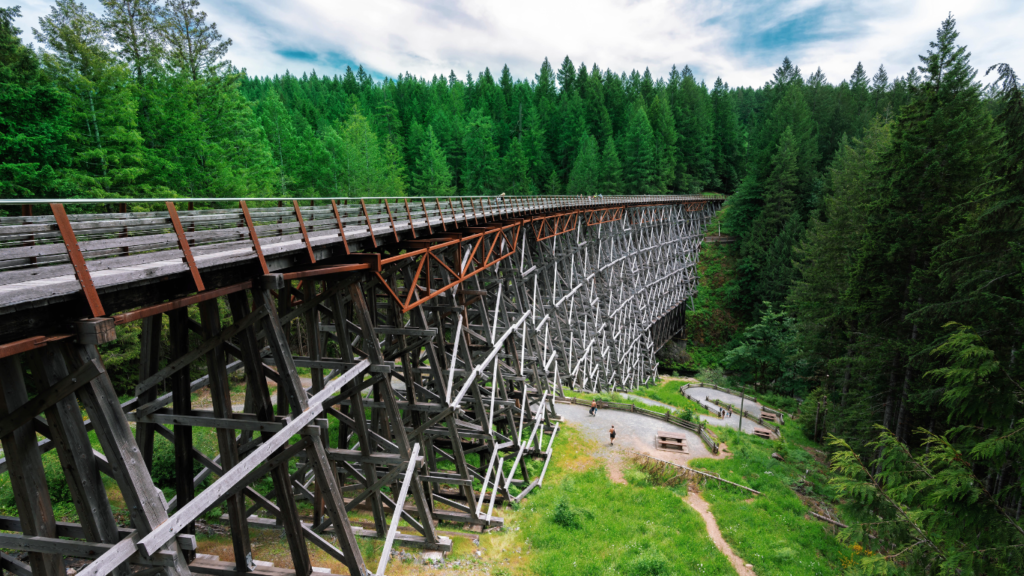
[
  {"x": 819, "y": 456},
  {"x": 702, "y": 508},
  {"x": 615, "y": 467}
]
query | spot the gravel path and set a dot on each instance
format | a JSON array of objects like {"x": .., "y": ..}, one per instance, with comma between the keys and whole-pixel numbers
[
  {"x": 632, "y": 431},
  {"x": 731, "y": 421},
  {"x": 699, "y": 394}
]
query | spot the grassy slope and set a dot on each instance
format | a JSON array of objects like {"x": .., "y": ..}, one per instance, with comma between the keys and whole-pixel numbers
[
  {"x": 667, "y": 392},
  {"x": 771, "y": 531},
  {"x": 625, "y": 529},
  {"x": 619, "y": 398}
]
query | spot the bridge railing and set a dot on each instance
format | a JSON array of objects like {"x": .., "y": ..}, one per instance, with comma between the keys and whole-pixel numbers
[
  {"x": 104, "y": 228},
  {"x": 213, "y": 231}
]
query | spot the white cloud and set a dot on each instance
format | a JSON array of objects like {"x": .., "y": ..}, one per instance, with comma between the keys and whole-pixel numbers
[{"x": 742, "y": 42}]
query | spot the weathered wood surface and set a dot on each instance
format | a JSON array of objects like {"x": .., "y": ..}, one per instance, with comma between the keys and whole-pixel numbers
[{"x": 430, "y": 349}]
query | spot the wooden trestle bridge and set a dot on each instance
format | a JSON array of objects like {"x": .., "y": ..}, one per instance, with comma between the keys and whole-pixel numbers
[{"x": 433, "y": 329}]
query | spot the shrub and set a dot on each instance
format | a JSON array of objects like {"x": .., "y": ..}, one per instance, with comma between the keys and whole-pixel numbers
[
  {"x": 60, "y": 492},
  {"x": 164, "y": 471},
  {"x": 713, "y": 376},
  {"x": 781, "y": 448},
  {"x": 564, "y": 515},
  {"x": 636, "y": 477},
  {"x": 649, "y": 562}
]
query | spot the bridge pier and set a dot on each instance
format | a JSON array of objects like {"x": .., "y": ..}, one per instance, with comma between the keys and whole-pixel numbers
[{"x": 434, "y": 356}]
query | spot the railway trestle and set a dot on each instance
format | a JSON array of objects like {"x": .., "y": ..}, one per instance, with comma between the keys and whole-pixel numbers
[{"x": 332, "y": 367}]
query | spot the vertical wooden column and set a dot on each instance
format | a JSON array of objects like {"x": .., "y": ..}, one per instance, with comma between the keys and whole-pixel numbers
[
  {"x": 149, "y": 363},
  {"x": 340, "y": 313},
  {"x": 313, "y": 342},
  {"x": 25, "y": 467},
  {"x": 261, "y": 400},
  {"x": 359, "y": 418},
  {"x": 71, "y": 440},
  {"x": 284, "y": 305},
  {"x": 181, "y": 394},
  {"x": 372, "y": 347},
  {"x": 220, "y": 393},
  {"x": 144, "y": 501},
  {"x": 316, "y": 452}
]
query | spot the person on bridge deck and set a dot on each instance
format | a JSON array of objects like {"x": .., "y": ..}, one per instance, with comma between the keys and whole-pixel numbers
[
  {"x": 611, "y": 433},
  {"x": 593, "y": 408}
]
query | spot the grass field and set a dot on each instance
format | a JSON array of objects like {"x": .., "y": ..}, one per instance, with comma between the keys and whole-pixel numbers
[
  {"x": 582, "y": 524},
  {"x": 772, "y": 531},
  {"x": 579, "y": 523},
  {"x": 667, "y": 392}
]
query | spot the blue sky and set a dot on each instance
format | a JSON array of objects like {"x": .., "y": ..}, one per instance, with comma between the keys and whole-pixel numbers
[{"x": 743, "y": 42}]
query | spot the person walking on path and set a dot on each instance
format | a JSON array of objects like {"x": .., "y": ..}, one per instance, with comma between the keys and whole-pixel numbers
[
  {"x": 611, "y": 433},
  {"x": 593, "y": 408}
]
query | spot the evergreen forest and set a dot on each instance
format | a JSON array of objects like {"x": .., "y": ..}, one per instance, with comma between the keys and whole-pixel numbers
[{"x": 877, "y": 267}]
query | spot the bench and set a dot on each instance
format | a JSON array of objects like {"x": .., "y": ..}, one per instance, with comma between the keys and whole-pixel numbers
[{"x": 671, "y": 442}]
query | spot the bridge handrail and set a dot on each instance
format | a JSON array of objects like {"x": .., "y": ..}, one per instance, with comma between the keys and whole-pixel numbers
[
  {"x": 606, "y": 199},
  {"x": 58, "y": 245}
]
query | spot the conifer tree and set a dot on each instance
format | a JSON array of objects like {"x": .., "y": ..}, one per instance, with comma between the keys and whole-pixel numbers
[
  {"x": 663, "y": 125},
  {"x": 599, "y": 122},
  {"x": 571, "y": 128},
  {"x": 194, "y": 47},
  {"x": 535, "y": 147},
  {"x": 646, "y": 88},
  {"x": 780, "y": 197},
  {"x": 432, "y": 176},
  {"x": 820, "y": 297},
  {"x": 942, "y": 146},
  {"x": 515, "y": 168},
  {"x": 33, "y": 122},
  {"x": 106, "y": 143},
  {"x": 584, "y": 180},
  {"x": 134, "y": 27},
  {"x": 639, "y": 160},
  {"x": 284, "y": 142},
  {"x": 727, "y": 152},
  {"x": 567, "y": 77},
  {"x": 611, "y": 169},
  {"x": 481, "y": 171},
  {"x": 545, "y": 80},
  {"x": 553, "y": 187},
  {"x": 691, "y": 108},
  {"x": 369, "y": 167}
]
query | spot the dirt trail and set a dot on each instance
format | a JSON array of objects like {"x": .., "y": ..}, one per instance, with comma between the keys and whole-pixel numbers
[
  {"x": 636, "y": 432},
  {"x": 702, "y": 508}
]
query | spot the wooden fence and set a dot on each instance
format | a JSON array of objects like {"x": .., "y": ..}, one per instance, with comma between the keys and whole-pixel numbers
[{"x": 697, "y": 473}]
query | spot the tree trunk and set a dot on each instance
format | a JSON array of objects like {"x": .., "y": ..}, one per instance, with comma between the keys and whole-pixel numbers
[{"x": 903, "y": 418}]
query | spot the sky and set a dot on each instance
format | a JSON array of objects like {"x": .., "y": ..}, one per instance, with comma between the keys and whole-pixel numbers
[{"x": 740, "y": 41}]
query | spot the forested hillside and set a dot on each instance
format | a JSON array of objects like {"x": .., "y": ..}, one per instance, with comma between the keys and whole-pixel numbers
[{"x": 878, "y": 266}]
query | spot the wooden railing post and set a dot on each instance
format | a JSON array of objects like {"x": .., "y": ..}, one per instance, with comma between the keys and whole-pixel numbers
[{"x": 77, "y": 260}]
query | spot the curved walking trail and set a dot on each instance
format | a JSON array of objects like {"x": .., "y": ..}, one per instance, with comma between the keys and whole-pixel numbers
[
  {"x": 636, "y": 432},
  {"x": 729, "y": 421}
]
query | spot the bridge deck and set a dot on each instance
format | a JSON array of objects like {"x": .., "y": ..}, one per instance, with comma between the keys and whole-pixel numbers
[{"x": 214, "y": 246}]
